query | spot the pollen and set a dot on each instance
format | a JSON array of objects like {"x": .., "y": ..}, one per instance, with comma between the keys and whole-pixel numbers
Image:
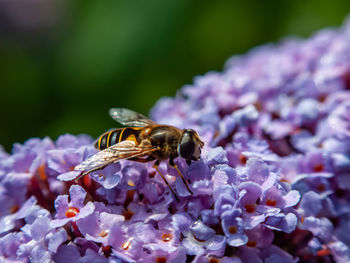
[
  {"x": 72, "y": 211},
  {"x": 232, "y": 230},
  {"x": 243, "y": 159},
  {"x": 321, "y": 187},
  {"x": 127, "y": 244},
  {"x": 42, "y": 173},
  {"x": 128, "y": 214},
  {"x": 104, "y": 233},
  {"x": 131, "y": 183},
  {"x": 161, "y": 260},
  {"x": 250, "y": 208},
  {"x": 251, "y": 244},
  {"x": 271, "y": 202},
  {"x": 166, "y": 237},
  {"x": 14, "y": 209},
  {"x": 214, "y": 260},
  {"x": 319, "y": 168}
]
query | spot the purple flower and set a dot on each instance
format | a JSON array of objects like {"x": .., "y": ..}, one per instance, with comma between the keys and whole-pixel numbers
[
  {"x": 272, "y": 184},
  {"x": 73, "y": 210}
]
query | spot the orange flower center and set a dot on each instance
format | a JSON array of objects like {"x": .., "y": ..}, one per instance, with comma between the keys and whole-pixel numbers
[
  {"x": 161, "y": 260},
  {"x": 250, "y": 208},
  {"x": 127, "y": 244},
  {"x": 166, "y": 237},
  {"x": 104, "y": 233},
  {"x": 128, "y": 214},
  {"x": 72, "y": 211},
  {"x": 271, "y": 202},
  {"x": 251, "y": 244},
  {"x": 232, "y": 230},
  {"x": 319, "y": 168}
]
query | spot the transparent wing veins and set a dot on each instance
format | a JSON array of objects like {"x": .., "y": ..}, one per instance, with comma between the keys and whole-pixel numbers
[
  {"x": 130, "y": 118},
  {"x": 117, "y": 152}
]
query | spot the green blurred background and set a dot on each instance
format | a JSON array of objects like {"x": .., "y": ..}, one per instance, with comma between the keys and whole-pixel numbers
[{"x": 63, "y": 64}]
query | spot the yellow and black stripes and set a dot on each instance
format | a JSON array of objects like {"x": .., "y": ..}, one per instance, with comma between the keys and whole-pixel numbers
[{"x": 117, "y": 135}]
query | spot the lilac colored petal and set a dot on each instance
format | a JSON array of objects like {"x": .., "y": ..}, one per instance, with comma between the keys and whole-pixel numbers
[
  {"x": 291, "y": 198},
  {"x": 144, "y": 232},
  {"x": 111, "y": 181},
  {"x": 320, "y": 227},
  {"x": 193, "y": 247},
  {"x": 216, "y": 156},
  {"x": 178, "y": 256},
  {"x": 254, "y": 191},
  {"x": 57, "y": 239},
  {"x": 251, "y": 255},
  {"x": 341, "y": 162},
  {"x": 216, "y": 245},
  {"x": 40, "y": 254},
  {"x": 201, "y": 231},
  {"x": 40, "y": 227},
  {"x": 196, "y": 206},
  {"x": 208, "y": 217},
  {"x": 226, "y": 199},
  {"x": 269, "y": 182},
  {"x": 311, "y": 203},
  {"x": 246, "y": 116},
  {"x": 59, "y": 222},
  {"x": 16, "y": 185},
  {"x": 92, "y": 256},
  {"x": 257, "y": 170},
  {"x": 61, "y": 205},
  {"x": 155, "y": 217},
  {"x": 181, "y": 222},
  {"x": 151, "y": 192},
  {"x": 340, "y": 251},
  {"x": 68, "y": 176},
  {"x": 109, "y": 176},
  {"x": 251, "y": 221},
  {"x": 230, "y": 260},
  {"x": 202, "y": 187},
  {"x": 123, "y": 257},
  {"x": 27, "y": 208},
  {"x": 181, "y": 188},
  {"x": 9, "y": 245},
  {"x": 86, "y": 210},
  {"x": 232, "y": 177},
  {"x": 261, "y": 235},
  {"x": 281, "y": 222},
  {"x": 77, "y": 195},
  {"x": 85, "y": 244},
  {"x": 220, "y": 178},
  {"x": 267, "y": 210},
  {"x": 89, "y": 224},
  {"x": 66, "y": 253},
  {"x": 198, "y": 171},
  {"x": 237, "y": 240},
  {"x": 278, "y": 255},
  {"x": 7, "y": 223}
]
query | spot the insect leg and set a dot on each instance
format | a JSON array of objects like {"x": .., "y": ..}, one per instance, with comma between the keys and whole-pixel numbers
[
  {"x": 155, "y": 166},
  {"x": 171, "y": 162}
]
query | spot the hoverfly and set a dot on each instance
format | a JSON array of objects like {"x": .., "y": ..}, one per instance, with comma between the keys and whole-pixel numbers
[{"x": 143, "y": 140}]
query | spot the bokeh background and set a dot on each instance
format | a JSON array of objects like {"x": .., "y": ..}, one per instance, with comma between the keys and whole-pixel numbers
[{"x": 64, "y": 63}]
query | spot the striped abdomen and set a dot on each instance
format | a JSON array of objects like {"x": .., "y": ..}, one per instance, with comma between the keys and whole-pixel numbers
[{"x": 117, "y": 135}]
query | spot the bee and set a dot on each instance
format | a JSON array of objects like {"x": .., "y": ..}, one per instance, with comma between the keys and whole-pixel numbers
[{"x": 143, "y": 140}]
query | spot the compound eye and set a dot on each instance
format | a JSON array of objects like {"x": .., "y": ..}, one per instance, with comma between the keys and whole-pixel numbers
[{"x": 186, "y": 147}]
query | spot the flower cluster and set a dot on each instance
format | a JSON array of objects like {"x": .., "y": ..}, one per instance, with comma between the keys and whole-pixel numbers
[{"x": 273, "y": 183}]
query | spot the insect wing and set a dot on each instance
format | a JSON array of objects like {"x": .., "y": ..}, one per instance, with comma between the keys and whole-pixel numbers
[
  {"x": 130, "y": 118},
  {"x": 119, "y": 151}
]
